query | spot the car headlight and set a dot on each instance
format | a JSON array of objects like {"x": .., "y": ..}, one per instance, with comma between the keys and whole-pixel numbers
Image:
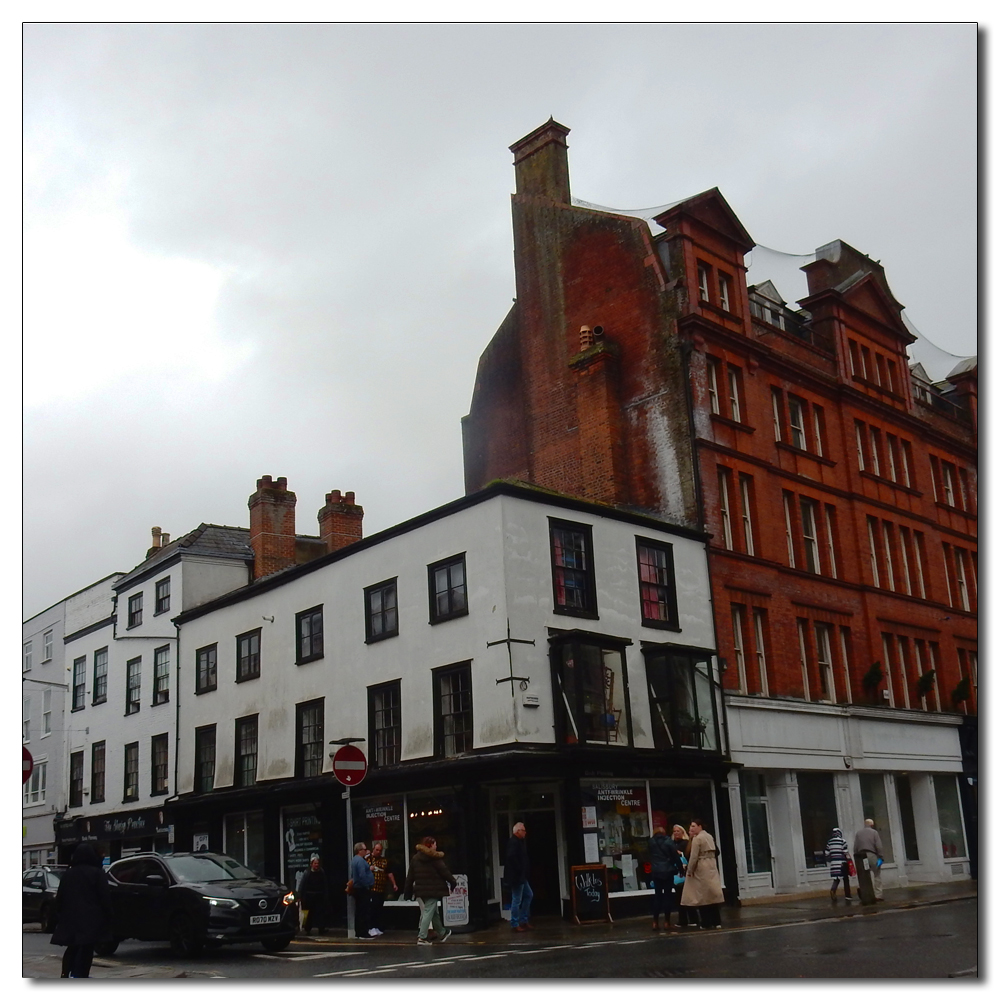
[
  {"x": 225, "y": 904},
  {"x": 289, "y": 898}
]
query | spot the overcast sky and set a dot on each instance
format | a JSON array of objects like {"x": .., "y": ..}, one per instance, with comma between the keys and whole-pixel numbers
[{"x": 266, "y": 249}]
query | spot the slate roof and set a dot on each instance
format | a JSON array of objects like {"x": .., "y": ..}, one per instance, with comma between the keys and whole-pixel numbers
[{"x": 216, "y": 540}]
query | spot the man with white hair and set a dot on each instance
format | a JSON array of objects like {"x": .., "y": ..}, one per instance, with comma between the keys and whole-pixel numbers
[
  {"x": 868, "y": 843},
  {"x": 515, "y": 872}
]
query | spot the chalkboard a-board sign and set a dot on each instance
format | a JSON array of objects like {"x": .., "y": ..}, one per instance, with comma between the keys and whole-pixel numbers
[{"x": 589, "y": 894}]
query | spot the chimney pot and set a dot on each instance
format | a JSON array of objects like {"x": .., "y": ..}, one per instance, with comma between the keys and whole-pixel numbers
[
  {"x": 272, "y": 526},
  {"x": 340, "y": 521},
  {"x": 156, "y": 538},
  {"x": 349, "y": 497}
]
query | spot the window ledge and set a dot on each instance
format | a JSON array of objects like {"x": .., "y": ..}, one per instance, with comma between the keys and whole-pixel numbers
[
  {"x": 206, "y": 690},
  {"x": 952, "y": 509},
  {"x": 661, "y": 626},
  {"x": 79, "y": 708},
  {"x": 785, "y": 446},
  {"x": 573, "y": 613},
  {"x": 448, "y": 618},
  {"x": 249, "y": 677},
  {"x": 308, "y": 659},
  {"x": 163, "y": 612},
  {"x": 370, "y": 639},
  {"x": 896, "y": 486},
  {"x": 737, "y": 424}
]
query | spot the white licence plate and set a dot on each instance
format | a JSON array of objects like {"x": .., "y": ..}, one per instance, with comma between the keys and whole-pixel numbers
[{"x": 266, "y": 918}]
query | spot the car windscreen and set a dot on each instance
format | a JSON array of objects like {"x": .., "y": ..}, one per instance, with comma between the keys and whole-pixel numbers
[
  {"x": 207, "y": 869},
  {"x": 54, "y": 878}
]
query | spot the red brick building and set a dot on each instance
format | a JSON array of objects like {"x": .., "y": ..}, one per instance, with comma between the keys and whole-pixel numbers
[{"x": 638, "y": 368}]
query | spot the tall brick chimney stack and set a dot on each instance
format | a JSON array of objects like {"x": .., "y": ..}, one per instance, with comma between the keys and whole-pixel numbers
[
  {"x": 340, "y": 521},
  {"x": 272, "y": 526},
  {"x": 541, "y": 163}
]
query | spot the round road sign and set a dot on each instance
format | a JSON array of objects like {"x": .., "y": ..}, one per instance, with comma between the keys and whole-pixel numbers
[
  {"x": 28, "y": 765},
  {"x": 350, "y": 765}
]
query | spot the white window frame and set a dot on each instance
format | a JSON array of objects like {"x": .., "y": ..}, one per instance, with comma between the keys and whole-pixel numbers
[
  {"x": 703, "y": 283},
  {"x": 901, "y": 641},
  {"x": 26, "y": 657},
  {"x": 945, "y": 552},
  {"x": 810, "y": 543},
  {"x": 890, "y": 439},
  {"x": 859, "y": 438},
  {"x": 803, "y": 658},
  {"x": 904, "y": 542},
  {"x": 744, "y": 488},
  {"x": 739, "y": 649},
  {"x": 796, "y": 421},
  {"x": 776, "y": 413},
  {"x": 886, "y": 542},
  {"x": 824, "y": 659},
  {"x": 887, "y": 656},
  {"x": 734, "y": 394},
  {"x": 960, "y": 578},
  {"x": 904, "y": 461},
  {"x": 47, "y": 646},
  {"x": 713, "y": 385},
  {"x": 35, "y": 787},
  {"x": 817, "y": 431},
  {"x": 789, "y": 539},
  {"x": 26, "y": 719},
  {"x": 948, "y": 484},
  {"x": 724, "y": 509},
  {"x": 873, "y": 551},
  {"x": 876, "y": 464},
  {"x": 758, "y": 630},
  {"x": 724, "y": 293},
  {"x": 843, "y": 632},
  {"x": 831, "y": 553},
  {"x": 918, "y": 559},
  {"x": 46, "y": 712}
]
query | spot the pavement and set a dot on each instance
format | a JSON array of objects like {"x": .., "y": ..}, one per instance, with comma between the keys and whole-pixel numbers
[{"x": 766, "y": 911}]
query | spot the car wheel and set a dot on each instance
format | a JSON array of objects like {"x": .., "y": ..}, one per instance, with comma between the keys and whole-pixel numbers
[
  {"x": 184, "y": 942},
  {"x": 277, "y": 944},
  {"x": 105, "y": 948}
]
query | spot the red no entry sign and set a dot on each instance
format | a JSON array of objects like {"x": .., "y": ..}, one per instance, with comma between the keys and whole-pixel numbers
[
  {"x": 350, "y": 765},
  {"x": 28, "y": 765}
]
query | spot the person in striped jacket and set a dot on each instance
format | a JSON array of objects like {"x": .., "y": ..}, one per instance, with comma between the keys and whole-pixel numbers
[{"x": 836, "y": 854}]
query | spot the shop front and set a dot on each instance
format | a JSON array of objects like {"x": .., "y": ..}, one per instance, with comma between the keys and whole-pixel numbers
[{"x": 116, "y": 835}]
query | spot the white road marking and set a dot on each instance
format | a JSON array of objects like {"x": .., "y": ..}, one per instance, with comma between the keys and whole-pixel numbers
[
  {"x": 304, "y": 958},
  {"x": 974, "y": 971}
]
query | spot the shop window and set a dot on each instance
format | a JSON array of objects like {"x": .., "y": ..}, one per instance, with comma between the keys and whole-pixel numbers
[
  {"x": 309, "y": 739},
  {"x": 309, "y": 635},
  {"x": 98, "y": 767},
  {"x": 616, "y": 831},
  {"x": 682, "y": 700},
  {"x": 591, "y": 693},
  {"x": 574, "y": 590},
  {"x": 435, "y": 814},
  {"x": 76, "y": 780},
  {"x": 133, "y": 685},
  {"x": 245, "y": 772},
  {"x": 381, "y": 821},
  {"x": 381, "y": 619},
  {"x": 302, "y": 837},
  {"x": 447, "y": 589},
  {"x": 904, "y": 795},
  {"x": 204, "y": 759},
  {"x": 949, "y": 816},
  {"x": 243, "y": 835},
  {"x": 385, "y": 724},
  {"x": 131, "y": 781},
  {"x": 162, "y": 596},
  {"x": 873, "y": 803},
  {"x": 453, "y": 710},
  {"x": 657, "y": 591},
  {"x": 161, "y": 675},
  {"x": 206, "y": 668},
  {"x": 79, "y": 682},
  {"x": 100, "y": 675},
  {"x": 159, "y": 754},
  {"x": 756, "y": 836},
  {"x": 248, "y": 656},
  {"x": 818, "y": 809}
]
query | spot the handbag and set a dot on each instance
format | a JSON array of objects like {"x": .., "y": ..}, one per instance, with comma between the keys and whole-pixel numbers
[
  {"x": 851, "y": 870},
  {"x": 678, "y": 880}
]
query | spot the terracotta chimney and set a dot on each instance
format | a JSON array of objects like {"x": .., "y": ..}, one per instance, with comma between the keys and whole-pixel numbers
[
  {"x": 272, "y": 526},
  {"x": 340, "y": 521}
]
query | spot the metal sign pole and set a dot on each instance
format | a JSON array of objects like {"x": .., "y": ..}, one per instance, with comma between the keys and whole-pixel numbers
[{"x": 350, "y": 858}]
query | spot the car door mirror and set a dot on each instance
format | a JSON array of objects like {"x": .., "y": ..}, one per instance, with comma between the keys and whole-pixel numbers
[{"x": 155, "y": 880}]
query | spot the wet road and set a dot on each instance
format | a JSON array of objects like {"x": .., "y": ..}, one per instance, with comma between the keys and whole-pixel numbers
[{"x": 937, "y": 941}]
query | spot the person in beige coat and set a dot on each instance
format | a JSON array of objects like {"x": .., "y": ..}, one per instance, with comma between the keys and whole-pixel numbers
[{"x": 702, "y": 887}]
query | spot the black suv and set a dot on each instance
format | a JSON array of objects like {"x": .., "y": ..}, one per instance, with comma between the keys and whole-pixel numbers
[
  {"x": 39, "y": 886},
  {"x": 194, "y": 900}
]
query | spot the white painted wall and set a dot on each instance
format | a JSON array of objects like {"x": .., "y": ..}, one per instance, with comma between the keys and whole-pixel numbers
[{"x": 508, "y": 570}]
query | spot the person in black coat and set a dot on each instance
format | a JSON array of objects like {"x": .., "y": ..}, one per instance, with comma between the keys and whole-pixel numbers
[
  {"x": 664, "y": 864},
  {"x": 516, "y": 869},
  {"x": 314, "y": 891},
  {"x": 83, "y": 912}
]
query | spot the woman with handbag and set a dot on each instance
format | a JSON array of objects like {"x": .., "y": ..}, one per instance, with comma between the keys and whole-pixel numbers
[{"x": 840, "y": 863}]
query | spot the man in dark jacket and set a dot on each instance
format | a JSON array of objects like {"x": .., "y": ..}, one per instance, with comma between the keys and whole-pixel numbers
[
  {"x": 83, "y": 912},
  {"x": 516, "y": 868}
]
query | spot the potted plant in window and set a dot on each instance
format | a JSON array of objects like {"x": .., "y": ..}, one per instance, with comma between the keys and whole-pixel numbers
[{"x": 872, "y": 680}]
